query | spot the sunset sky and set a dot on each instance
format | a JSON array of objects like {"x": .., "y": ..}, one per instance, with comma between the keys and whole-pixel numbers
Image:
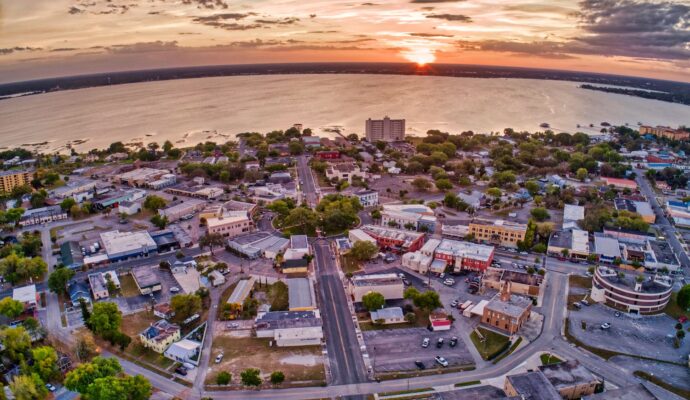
[{"x": 44, "y": 38}]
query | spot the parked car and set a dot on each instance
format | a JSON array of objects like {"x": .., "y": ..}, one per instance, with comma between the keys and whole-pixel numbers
[
  {"x": 425, "y": 342},
  {"x": 406, "y": 282},
  {"x": 50, "y": 387},
  {"x": 453, "y": 341},
  {"x": 219, "y": 358},
  {"x": 181, "y": 370},
  {"x": 524, "y": 253},
  {"x": 439, "y": 343},
  {"x": 454, "y": 303},
  {"x": 449, "y": 282},
  {"x": 584, "y": 302},
  {"x": 682, "y": 319},
  {"x": 401, "y": 275},
  {"x": 442, "y": 275},
  {"x": 174, "y": 289},
  {"x": 420, "y": 365},
  {"x": 577, "y": 305},
  {"x": 617, "y": 313},
  {"x": 605, "y": 326},
  {"x": 441, "y": 360}
]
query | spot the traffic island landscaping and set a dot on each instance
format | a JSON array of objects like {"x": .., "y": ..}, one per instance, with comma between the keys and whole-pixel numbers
[
  {"x": 489, "y": 344},
  {"x": 548, "y": 359},
  {"x": 302, "y": 366}
]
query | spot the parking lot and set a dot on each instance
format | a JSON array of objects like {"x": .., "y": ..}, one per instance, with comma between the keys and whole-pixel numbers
[
  {"x": 398, "y": 349},
  {"x": 631, "y": 334}
]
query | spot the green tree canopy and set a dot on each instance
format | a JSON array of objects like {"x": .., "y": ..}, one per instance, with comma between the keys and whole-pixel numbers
[
  {"x": 105, "y": 318},
  {"x": 17, "y": 342},
  {"x": 58, "y": 279},
  {"x": 251, "y": 377},
  {"x": 185, "y": 305},
  {"x": 45, "y": 362},
  {"x": 683, "y": 297},
  {"x": 80, "y": 378},
  {"x": 277, "y": 377},
  {"x": 154, "y": 203},
  {"x": 364, "y": 250},
  {"x": 28, "y": 387},
  {"x": 11, "y": 308},
  {"x": 373, "y": 301},
  {"x": 421, "y": 184},
  {"x": 540, "y": 214}
]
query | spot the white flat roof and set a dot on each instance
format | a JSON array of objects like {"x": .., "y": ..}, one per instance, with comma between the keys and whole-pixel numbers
[
  {"x": 25, "y": 294},
  {"x": 116, "y": 242},
  {"x": 580, "y": 241},
  {"x": 573, "y": 213}
]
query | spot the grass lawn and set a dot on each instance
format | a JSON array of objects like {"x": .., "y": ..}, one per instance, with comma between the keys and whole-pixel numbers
[
  {"x": 366, "y": 324},
  {"x": 133, "y": 324},
  {"x": 492, "y": 344},
  {"x": 128, "y": 288},
  {"x": 673, "y": 310},
  {"x": 297, "y": 363},
  {"x": 548, "y": 359},
  {"x": 349, "y": 264}
]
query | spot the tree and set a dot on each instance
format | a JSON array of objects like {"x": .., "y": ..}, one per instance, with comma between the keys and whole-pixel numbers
[
  {"x": 494, "y": 192},
  {"x": 105, "y": 318},
  {"x": 540, "y": 214},
  {"x": 680, "y": 334},
  {"x": 532, "y": 187},
  {"x": 411, "y": 317},
  {"x": 277, "y": 377},
  {"x": 119, "y": 388},
  {"x": 11, "y": 308},
  {"x": 28, "y": 387},
  {"x": 251, "y": 377},
  {"x": 373, "y": 301},
  {"x": 80, "y": 378},
  {"x": 421, "y": 184},
  {"x": 581, "y": 174},
  {"x": 154, "y": 203},
  {"x": 279, "y": 294},
  {"x": 444, "y": 184},
  {"x": 364, "y": 250},
  {"x": 211, "y": 240},
  {"x": 223, "y": 378},
  {"x": 185, "y": 305},
  {"x": 58, "y": 279},
  {"x": 167, "y": 146},
  {"x": 428, "y": 300},
  {"x": 683, "y": 297},
  {"x": 67, "y": 203},
  {"x": 17, "y": 342},
  {"x": 160, "y": 222},
  {"x": 45, "y": 362},
  {"x": 85, "y": 346}
]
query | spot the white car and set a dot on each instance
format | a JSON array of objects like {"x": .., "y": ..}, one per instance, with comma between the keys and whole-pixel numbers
[
  {"x": 174, "y": 289},
  {"x": 454, "y": 303},
  {"x": 425, "y": 342},
  {"x": 50, "y": 387},
  {"x": 605, "y": 326},
  {"x": 441, "y": 360},
  {"x": 449, "y": 282},
  {"x": 219, "y": 358}
]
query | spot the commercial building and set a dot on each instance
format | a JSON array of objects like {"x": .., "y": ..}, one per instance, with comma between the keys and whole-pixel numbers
[
  {"x": 259, "y": 244},
  {"x": 385, "y": 130},
  {"x": 439, "y": 321},
  {"x": 239, "y": 295},
  {"x": 124, "y": 245},
  {"x": 301, "y": 295},
  {"x": 36, "y": 216},
  {"x": 71, "y": 255},
  {"x": 290, "y": 328},
  {"x": 182, "y": 209},
  {"x": 235, "y": 205},
  {"x": 98, "y": 286},
  {"x": 140, "y": 177},
  {"x": 417, "y": 261},
  {"x": 500, "y": 232},
  {"x": 389, "y": 285},
  {"x": 644, "y": 295},
  {"x": 114, "y": 199},
  {"x": 390, "y": 315},
  {"x": 640, "y": 207},
  {"x": 160, "y": 335},
  {"x": 26, "y": 295},
  {"x": 327, "y": 155},
  {"x": 606, "y": 248},
  {"x": 521, "y": 283},
  {"x": 417, "y": 216},
  {"x": 357, "y": 235},
  {"x": 570, "y": 379},
  {"x": 12, "y": 178},
  {"x": 230, "y": 224},
  {"x": 129, "y": 207},
  {"x": 620, "y": 183},
  {"x": 508, "y": 312},
  {"x": 572, "y": 243},
  {"x": 184, "y": 351},
  {"x": 664, "y": 132},
  {"x": 367, "y": 198},
  {"x": 146, "y": 279},
  {"x": 572, "y": 214},
  {"x": 394, "y": 239},
  {"x": 464, "y": 255},
  {"x": 530, "y": 385},
  {"x": 660, "y": 256},
  {"x": 344, "y": 171},
  {"x": 164, "y": 181},
  {"x": 638, "y": 391},
  {"x": 196, "y": 192}
]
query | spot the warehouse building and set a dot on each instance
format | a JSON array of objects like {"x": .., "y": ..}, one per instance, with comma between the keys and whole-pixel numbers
[{"x": 124, "y": 245}]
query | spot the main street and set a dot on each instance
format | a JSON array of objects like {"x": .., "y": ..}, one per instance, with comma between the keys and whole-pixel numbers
[{"x": 661, "y": 220}]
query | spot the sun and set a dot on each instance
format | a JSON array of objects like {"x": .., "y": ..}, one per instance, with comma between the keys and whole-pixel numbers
[{"x": 420, "y": 56}]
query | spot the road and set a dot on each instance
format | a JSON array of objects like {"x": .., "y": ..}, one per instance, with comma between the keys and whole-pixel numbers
[
  {"x": 661, "y": 220},
  {"x": 308, "y": 183}
]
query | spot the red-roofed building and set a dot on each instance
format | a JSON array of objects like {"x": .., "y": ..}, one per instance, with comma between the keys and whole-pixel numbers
[
  {"x": 620, "y": 183},
  {"x": 328, "y": 155},
  {"x": 439, "y": 321}
]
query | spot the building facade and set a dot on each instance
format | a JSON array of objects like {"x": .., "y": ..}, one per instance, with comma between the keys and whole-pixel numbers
[
  {"x": 160, "y": 335},
  {"x": 389, "y": 285},
  {"x": 386, "y": 130},
  {"x": 507, "y": 313},
  {"x": 464, "y": 255},
  {"x": 648, "y": 295},
  {"x": 11, "y": 179},
  {"x": 665, "y": 132},
  {"x": 498, "y": 232}
]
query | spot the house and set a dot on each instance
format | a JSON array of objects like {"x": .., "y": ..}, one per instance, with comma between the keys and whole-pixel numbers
[
  {"x": 160, "y": 335},
  {"x": 146, "y": 279},
  {"x": 389, "y": 285},
  {"x": 301, "y": 294},
  {"x": 439, "y": 321},
  {"x": 163, "y": 310},
  {"x": 327, "y": 155},
  {"x": 183, "y": 351},
  {"x": 112, "y": 277},
  {"x": 507, "y": 313},
  {"x": 27, "y": 296},
  {"x": 240, "y": 294},
  {"x": 344, "y": 171},
  {"x": 290, "y": 328},
  {"x": 71, "y": 255},
  {"x": 129, "y": 208},
  {"x": 98, "y": 286},
  {"x": 78, "y": 291},
  {"x": 390, "y": 315},
  {"x": 216, "y": 278},
  {"x": 521, "y": 283},
  {"x": 180, "y": 265}
]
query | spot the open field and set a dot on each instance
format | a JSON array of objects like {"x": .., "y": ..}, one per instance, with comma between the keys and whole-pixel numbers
[{"x": 492, "y": 344}]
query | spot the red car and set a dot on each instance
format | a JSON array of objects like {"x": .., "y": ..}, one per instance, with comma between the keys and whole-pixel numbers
[{"x": 683, "y": 319}]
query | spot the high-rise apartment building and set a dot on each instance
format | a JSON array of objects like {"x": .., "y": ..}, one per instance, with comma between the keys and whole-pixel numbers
[
  {"x": 386, "y": 130},
  {"x": 11, "y": 179}
]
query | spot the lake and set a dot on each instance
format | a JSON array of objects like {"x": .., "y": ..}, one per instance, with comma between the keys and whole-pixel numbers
[{"x": 192, "y": 110}]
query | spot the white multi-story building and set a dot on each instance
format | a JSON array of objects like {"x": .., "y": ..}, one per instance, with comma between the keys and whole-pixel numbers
[
  {"x": 368, "y": 198},
  {"x": 386, "y": 130}
]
